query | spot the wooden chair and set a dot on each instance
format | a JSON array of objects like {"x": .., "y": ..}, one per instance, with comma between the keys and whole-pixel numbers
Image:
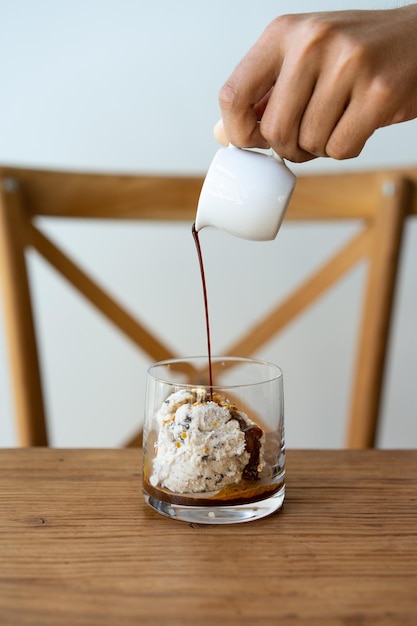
[
  {"x": 382, "y": 199},
  {"x": 26, "y": 194}
]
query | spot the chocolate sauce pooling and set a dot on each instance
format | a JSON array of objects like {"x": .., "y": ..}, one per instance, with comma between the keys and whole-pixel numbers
[{"x": 253, "y": 435}]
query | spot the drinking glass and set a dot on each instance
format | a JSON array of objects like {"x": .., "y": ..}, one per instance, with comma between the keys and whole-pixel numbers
[{"x": 214, "y": 454}]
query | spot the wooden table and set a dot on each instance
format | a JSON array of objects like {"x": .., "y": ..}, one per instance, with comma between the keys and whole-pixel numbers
[{"x": 79, "y": 546}]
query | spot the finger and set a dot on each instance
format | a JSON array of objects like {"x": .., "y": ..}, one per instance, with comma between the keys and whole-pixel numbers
[
  {"x": 240, "y": 119},
  {"x": 351, "y": 132},
  {"x": 245, "y": 93},
  {"x": 325, "y": 108},
  {"x": 280, "y": 123},
  {"x": 363, "y": 115},
  {"x": 219, "y": 131},
  {"x": 262, "y": 104}
]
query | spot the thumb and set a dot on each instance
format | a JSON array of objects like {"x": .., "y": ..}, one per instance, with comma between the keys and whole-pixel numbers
[{"x": 219, "y": 133}]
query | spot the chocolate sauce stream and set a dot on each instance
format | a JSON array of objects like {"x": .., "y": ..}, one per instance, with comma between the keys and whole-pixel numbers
[
  {"x": 253, "y": 433},
  {"x": 203, "y": 280}
]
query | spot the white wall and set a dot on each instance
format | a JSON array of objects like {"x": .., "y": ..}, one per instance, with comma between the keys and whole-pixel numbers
[{"x": 131, "y": 86}]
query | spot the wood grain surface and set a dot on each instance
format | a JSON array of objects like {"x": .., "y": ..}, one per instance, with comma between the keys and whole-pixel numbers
[{"x": 78, "y": 545}]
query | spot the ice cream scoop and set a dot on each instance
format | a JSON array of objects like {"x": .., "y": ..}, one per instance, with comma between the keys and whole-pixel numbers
[{"x": 204, "y": 444}]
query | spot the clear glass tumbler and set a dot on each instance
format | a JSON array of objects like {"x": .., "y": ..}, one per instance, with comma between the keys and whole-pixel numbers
[{"x": 214, "y": 454}]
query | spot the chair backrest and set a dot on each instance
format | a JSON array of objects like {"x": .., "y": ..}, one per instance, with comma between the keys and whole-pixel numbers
[{"x": 381, "y": 199}]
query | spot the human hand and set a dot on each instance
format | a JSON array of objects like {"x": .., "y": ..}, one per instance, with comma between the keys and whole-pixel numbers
[{"x": 320, "y": 84}]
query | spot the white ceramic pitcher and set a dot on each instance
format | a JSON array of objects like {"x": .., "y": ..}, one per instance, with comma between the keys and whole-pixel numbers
[{"x": 245, "y": 193}]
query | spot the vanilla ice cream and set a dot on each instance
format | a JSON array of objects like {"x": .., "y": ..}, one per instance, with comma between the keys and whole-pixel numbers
[{"x": 204, "y": 444}]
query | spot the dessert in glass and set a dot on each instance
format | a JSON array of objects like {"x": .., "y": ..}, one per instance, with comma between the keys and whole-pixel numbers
[{"x": 214, "y": 453}]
